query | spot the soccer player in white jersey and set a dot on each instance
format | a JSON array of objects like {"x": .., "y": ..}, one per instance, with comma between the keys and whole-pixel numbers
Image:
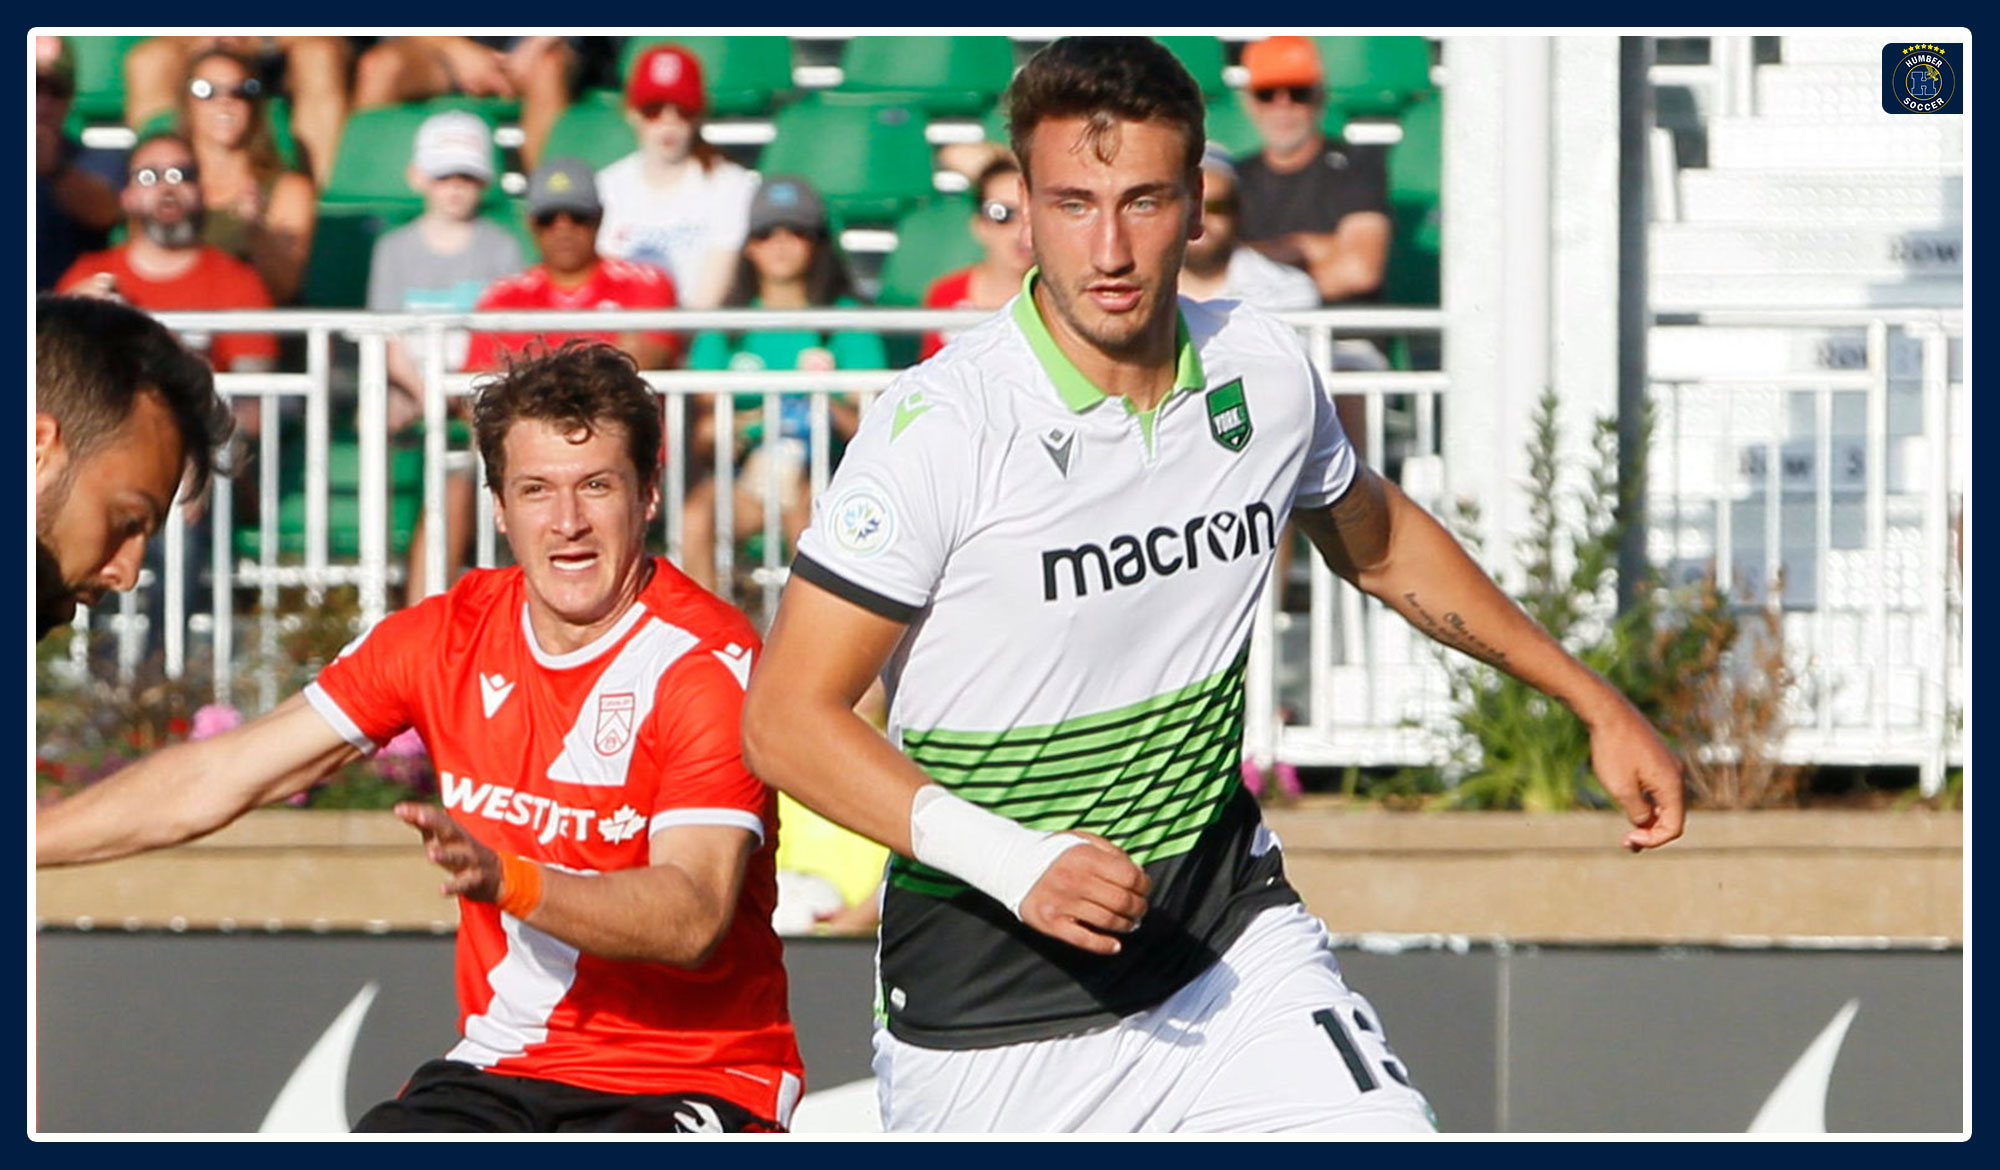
[
  {"x": 613, "y": 858},
  {"x": 1050, "y": 540}
]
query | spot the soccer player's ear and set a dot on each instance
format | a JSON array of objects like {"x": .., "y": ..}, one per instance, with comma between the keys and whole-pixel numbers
[{"x": 48, "y": 439}]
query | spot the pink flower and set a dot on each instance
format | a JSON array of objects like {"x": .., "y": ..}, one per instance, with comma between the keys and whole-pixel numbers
[
  {"x": 406, "y": 746},
  {"x": 214, "y": 719}
]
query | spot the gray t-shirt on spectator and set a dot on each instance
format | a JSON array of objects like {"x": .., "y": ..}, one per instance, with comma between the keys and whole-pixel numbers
[{"x": 405, "y": 276}]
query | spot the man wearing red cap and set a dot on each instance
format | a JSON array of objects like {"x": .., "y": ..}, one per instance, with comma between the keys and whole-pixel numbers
[
  {"x": 675, "y": 202},
  {"x": 1315, "y": 204}
]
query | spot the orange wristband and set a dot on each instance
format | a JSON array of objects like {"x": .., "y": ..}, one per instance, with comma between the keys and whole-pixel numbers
[{"x": 520, "y": 886}]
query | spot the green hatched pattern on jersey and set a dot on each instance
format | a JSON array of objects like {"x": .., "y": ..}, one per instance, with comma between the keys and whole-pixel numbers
[{"x": 1148, "y": 777}]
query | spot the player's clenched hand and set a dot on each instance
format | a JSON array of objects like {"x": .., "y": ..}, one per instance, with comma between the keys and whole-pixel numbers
[
  {"x": 1088, "y": 896},
  {"x": 472, "y": 870},
  {"x": 1641, "y": 773}
]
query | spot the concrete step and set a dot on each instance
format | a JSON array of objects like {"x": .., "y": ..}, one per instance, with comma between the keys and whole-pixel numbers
[
  {"x": 1822, "y": 198},
  {"x": 1887, "y": 142},
  {"x": 1871, "y": 252},
  {"x": 1821, "y": 91},
  {"x": 1800, "y": 50},
  {"x": 1673, "y": 292}
]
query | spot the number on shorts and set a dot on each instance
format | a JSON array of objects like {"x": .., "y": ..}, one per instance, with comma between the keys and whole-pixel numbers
[{"x": 1350, "y": 1052}]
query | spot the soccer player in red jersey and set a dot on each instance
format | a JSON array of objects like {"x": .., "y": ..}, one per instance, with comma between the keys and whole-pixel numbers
[{"x": 616, "y": 965}]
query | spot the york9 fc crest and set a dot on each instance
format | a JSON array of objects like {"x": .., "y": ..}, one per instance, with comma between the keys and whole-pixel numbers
[
  {"x": 1922, "y": 79},
  {"x": 1229, "y": 415}
]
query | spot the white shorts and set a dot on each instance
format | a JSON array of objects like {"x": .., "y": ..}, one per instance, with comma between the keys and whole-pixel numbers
[{"x": 1270, "y": 1039}]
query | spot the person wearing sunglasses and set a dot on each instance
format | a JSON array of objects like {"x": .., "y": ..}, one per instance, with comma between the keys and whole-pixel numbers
[
  {"x": 1005, "y": 253},
  {"x": 1318, "y": 204},
  {"x": 260, "y": 210},
  {"x": 75, "y": 206},
  {"x": 789, "y": 261},
  {"x": 675, "y": 201},
  {"x": 312, "y": 72},
  {"x": 164, "y": 263}
]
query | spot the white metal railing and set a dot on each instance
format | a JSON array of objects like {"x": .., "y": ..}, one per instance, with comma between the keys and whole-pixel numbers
[
  {"x": 1401, "y": 406},
  {"x": 1360, "y": 686},
  {"x": 1859, "y": 450}
]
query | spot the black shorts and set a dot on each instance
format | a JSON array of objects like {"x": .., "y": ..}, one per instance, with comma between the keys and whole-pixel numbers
[{"x": 449, "y": 1096}]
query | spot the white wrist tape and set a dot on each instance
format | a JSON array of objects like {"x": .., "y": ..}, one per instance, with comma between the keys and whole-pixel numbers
[{"x": 994, "y": 855}]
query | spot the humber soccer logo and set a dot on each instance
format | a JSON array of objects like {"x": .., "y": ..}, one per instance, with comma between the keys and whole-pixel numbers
[
  {"x": 1921, "y": 79},
  {"x": 1128, "y": 559}
]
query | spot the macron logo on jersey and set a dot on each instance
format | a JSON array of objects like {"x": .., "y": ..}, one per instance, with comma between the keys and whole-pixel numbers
[
  {"x": 737, "y": 659},
  {"x": 493, "y": 691}
]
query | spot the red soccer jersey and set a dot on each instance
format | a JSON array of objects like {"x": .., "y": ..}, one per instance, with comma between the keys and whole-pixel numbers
[
  {"x": 574, "y": 761},
  {"x": 216, "y": 281},
  {"x": 950, "y": 291},
  {"x": 615, "y": 284}
]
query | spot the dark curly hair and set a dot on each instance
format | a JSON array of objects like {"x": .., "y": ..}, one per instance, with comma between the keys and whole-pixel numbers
[
  {"x": 1105, "y": 80},
  {"x": 582, "y": 385}
]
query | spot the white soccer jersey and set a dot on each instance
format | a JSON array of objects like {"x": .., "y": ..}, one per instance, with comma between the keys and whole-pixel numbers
[{"x": 1080, "y": 581}]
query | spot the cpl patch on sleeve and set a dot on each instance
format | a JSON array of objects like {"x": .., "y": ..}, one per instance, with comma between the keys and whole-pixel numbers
[
  {"x": 861, "y": 523},
  {"x": 1923, "y": 79}
]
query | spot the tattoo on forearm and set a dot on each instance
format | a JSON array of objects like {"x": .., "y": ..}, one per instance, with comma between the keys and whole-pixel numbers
[{"x": 1451, "y": 631}]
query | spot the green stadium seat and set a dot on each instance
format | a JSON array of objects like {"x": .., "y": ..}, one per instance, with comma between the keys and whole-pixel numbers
[
  {"x": 1415, "y": 165},
  {"x": 374, "y": 154},
  {"x": 1375, "y": 76},
  {"x": 1229, "y": 123},
  {"x": 343, "y": 500},
  {"x": 593, "y": 129},
  {"x": 343, "y": 244},
  {"x": 1205, "y": 58},
  {"x": 871, "y": 162},
  {"x": 100, "y": 77},
  {"x": 745, "y": 76},
  {"x": 931, "y": 239},
  {"x": 946, "y": 76}
]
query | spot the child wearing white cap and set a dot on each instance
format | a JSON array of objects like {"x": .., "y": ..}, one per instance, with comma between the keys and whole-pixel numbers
[{"x": 441, "y": 261}]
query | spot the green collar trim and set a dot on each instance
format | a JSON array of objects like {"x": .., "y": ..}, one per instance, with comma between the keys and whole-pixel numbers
[{"x": 1076, "y": 391}]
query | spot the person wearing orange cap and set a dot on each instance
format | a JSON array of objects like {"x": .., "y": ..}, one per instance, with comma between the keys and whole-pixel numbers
[
  {"x": 675, "y": 202},
  {"x": 1317, "y": 204}
]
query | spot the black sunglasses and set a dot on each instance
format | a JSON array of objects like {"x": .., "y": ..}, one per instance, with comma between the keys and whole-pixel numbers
[
  {"x": 203, "y": 90},
  {"x": 1301, "y": 95},
  {"x": 998, "y": 212},
  {"x": 548, "y": 218},
  {"x": 764, "y": 233},
  {"x": 171, "y": 176},
  {"x": 55, "y": 87},
  {"x": 1218, "y": 207}
]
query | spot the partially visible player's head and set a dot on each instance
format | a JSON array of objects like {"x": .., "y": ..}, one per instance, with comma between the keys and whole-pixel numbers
[
  {"x": 1108, "y": 131},
  {"x": 124, "y": 414},
  {"x": 571, "y": 440}
]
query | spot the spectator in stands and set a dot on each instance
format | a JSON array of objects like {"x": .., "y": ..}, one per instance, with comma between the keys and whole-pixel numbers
[
  {"x": 675, "y": 201},
  {"x": 259, "y": 210},
  {"x": 312, "y": 71},
  {"x": 1217, "y": 265},
  {"x": 564, "y": 211},
  {"x": 1317, "y": 204},
  {"x": 163, "y": 263},
  {"x": 533, "y": 70},
  {"x": 444, "y": 259},
  {"x": 75, "y": 207},
  {"x": 441, "y": 262},
  {"x": 790, "y": 261},
  {"x": 829, "y": 877},
  {"x": 1003, "y": 238}
]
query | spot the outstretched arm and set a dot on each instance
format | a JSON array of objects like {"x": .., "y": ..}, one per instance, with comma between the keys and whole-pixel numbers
[
  {"x": 802, "y": 735},
  {"x": 1379, "y": 540},
  {"x": 675, "y": 910},
  {"x": 192, "y": 789}
]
